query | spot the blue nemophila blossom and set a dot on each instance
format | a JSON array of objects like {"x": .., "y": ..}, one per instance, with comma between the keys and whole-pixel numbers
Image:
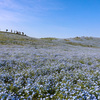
[{"x": 50, "y": 72}]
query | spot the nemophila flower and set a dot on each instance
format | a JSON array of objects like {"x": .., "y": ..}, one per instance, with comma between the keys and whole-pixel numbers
[{"x": 50, "y": 73}]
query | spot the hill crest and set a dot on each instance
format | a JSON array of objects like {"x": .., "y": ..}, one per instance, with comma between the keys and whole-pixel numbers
[{"x": 7, "y": 38}]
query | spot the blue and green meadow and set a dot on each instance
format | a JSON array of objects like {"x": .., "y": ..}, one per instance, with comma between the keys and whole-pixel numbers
[{"x": 49, "y": 68}]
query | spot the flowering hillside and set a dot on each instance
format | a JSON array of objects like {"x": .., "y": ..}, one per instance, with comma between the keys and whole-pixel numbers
[{"x": 49, "y": 68}]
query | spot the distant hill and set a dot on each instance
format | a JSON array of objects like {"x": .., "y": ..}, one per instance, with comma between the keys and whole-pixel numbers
[
  {"x": 84, "y": 41},
  {"x": 7, "y": 38}
]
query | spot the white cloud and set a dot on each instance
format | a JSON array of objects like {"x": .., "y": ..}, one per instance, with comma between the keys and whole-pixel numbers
[
  {"x": 10, "y": 11},
  {"x": 24, "y": 11},
  {"x": 9, "y": 4},
  {"x": 8, "y": 16}
]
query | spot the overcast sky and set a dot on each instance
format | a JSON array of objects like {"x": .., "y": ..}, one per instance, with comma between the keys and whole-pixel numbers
[{"x": 51, "y": 18}]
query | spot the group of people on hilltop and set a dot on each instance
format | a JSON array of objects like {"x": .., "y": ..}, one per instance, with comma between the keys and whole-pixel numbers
[{"x": 17, "y": 32}]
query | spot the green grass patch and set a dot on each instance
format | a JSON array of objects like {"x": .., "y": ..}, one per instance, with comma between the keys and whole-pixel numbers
[
  {"x": 50, "y": 39},
  {"x": 79, "y": 44}
]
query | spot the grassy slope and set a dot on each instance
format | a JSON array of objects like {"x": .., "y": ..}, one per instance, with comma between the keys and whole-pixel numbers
[
  {"x": 11, "y": 38},
  {"x": 84, "y": 41}
]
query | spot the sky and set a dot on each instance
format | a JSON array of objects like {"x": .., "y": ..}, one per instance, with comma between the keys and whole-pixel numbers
[{"x": 51, "y": 18}]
